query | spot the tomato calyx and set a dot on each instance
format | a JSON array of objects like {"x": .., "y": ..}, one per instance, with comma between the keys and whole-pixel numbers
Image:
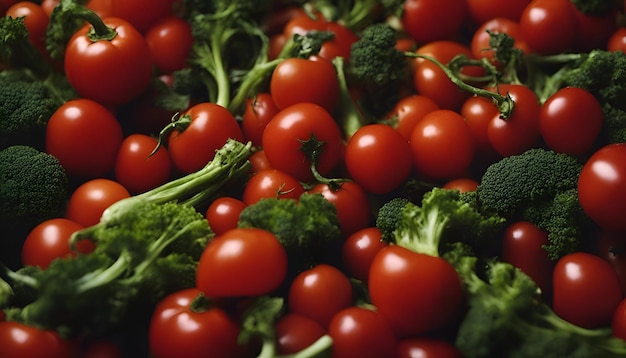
[
  {"x": 200, "y": 304},
  {"x": 178, "y": 122},
  {"x": 99, "y": 31},
  {"x": 312, "y": 148}
]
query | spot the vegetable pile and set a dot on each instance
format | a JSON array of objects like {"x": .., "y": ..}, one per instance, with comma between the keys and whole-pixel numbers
[{"x": 313, "y": 178}]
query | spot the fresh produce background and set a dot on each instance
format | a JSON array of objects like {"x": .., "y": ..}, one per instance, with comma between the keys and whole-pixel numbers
[{"x": 186, "y": 178}]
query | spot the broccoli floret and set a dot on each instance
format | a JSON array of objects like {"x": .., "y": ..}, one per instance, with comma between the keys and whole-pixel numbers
[
  {"x": 306, "y": 227},
  {"x": 594, "y": 7},
  {"x": 442, "y": 218},
  {"x": 540, "y": 186},
  {"x": 33, "y": 188},
  {"x": 507, "y": 318}
]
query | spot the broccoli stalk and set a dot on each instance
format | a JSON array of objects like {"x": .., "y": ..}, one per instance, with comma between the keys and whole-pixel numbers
[
  {"x": 354, "y": 15},
  {"x": 507, "y": 318}
]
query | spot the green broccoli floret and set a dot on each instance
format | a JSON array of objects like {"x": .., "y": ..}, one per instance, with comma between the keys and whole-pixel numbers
[
  {"x": 307, "y": 227},
  {"x": 594, "y": 7},
  {"x": 507, "y": 318},
  {"x": 33, "y": 188},
  {"x": 539, "y": 186},
  {"x": 442, "y": 218}
]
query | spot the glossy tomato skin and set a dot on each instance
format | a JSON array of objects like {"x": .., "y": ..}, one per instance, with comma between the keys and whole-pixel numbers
[
  {"x": 89, "y": 200},
  {"x": 462, "y": 184},
  {"x": 359, "y": 332},
  {"x": 417, "y": 293},
  {"x": 210, "y": 127},
  {"x": 177, "y": 326},
  {"x": 271, "y": 183},
  {"x": 286, "y": 136},
  {"x": 427, "y": 348},
  {"x": 586, "y": 290},
  {"x": 570, "y": 121},
  {"x": 358, "y": 252},
  {"x": 594, "y": 31},
  {"x": 319, "y": 293},
  {"x": 136, "y": 169},
  {"x": 408, "y": 111},
  {"x": 549, "y": 26},
  {"x": 294, "y": 332},
  {"x": 478, "y": 112},
  {"x": 35, "y": 19},
  {"x": 50, "y": 240},
  {"x": 258, "y": 113},
  {"x": 110, "y": 72},
  {"x": 170, "y": 41},
  {"x": 442, "y": 145},
  {"x": 352, "y": 203},
  {"x": 242, "y": 262},
  {"x": 481, "y": 11},
  {"x": 141, "y": 13},
  {"x": 617, "y": 40},
  {"x": 85, "y": 137},
  {"x": 618, "y": 323},
  {"x": 223, "y": 213},
  {"x": 480, "y": 46},
  {"x": 428, "y": 21},
  {"x": 378, "y": 158},
  {"x": 602, "y": 189},
  {"x": 19, "y": 340}
]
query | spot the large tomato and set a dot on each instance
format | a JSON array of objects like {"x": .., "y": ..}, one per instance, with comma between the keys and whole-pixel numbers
[
  {"x": 427, "y": 20},
  {"x": 549, "y": 26},
  {"x": 481, "y": 11},
  {"x": 602, "y": 187}
]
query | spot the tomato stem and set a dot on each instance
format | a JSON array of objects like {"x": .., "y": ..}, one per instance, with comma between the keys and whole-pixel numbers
[
  {"x": 99, "y": 31},
  {"x": 312, "y": 148},
  {"x": 200, "y": 304},
  {"x": 178, "y": 122}
]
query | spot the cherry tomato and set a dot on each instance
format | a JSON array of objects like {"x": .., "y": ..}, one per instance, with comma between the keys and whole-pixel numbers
[
  {"x": 611, "y": 246},
  {"x": 259, "y": 161},
  {"x": 319, "y": 293},
  {"x": 570, "y": 121},
  {"x": 358, "y": 252},
  {"x": 136, "y": 169},
  {"x": 585, "y": 280},
  {"x": 378, "y": 158},
  {"x": 427, "y": 348},
  {"x": 417, "y": 293},
  {"x": 183, "y": 322},
  {"x": 294, "y": 332},
  {"x": 594, "y": 31},
  {"x": 481, "y": 11},
  {"x": 146, "y": 115},
  {"x": 113, "y": 71},
  {"x": 19, "y": 340},
  {"x": 204, "y": 128},
  {"x": 271, "y": 183},
  {"x": 352, "y": 203},
  {"x": 617, "y": 40},
  {"x": 141, "y": 13},
  {"x": 521, "y": 130},
  {"x": 442, "y": 145},
  {"x": 618, "y": 322},
  {"x": 242, "y": 262},
  {"x": 602, "y": 189},
  {"x": 549, "y": 26},
  {"x": 428, "y": 21},
  {"x": 50, "y": 240},
  {"x": 87, "y": 203},
  {"x": 297, "y": 80},
  {"x": 408, "y": 111},
  {"x": 294, "y": 132},
  {"x": 359, "y": 332},
  {"x": 478, "y": 111},
  {"x": 223, "y": 214},
  {"x": 85, "y": 137},
  {"x": 522, "y": 247},
  {"x": 258, "y": 113},
  {"x": 170, "y": 41},
  {"x": 35, "y": 19},
  {"x": 461, "y": 184},
  {"x": 480, "y": 46}
]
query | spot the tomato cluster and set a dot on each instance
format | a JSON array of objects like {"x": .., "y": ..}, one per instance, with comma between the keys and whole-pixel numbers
[{"x": 439, "y": 135}]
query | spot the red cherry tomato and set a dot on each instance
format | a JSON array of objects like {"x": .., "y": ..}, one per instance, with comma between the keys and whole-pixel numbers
[
  {"x": 136, "y": 169},
  {"x": 408, "y": 111},
  {"x": 594, "y": 31},
  {"x": 481, "y": 11},
  {"x": 170, "y": 41},
  {"x": 427, "y": 348},
  {"x": 223, "y": 214},
  {"x": 480, "y": 46},
  {"x": 295, "y": 332},
  {"x": 259, "y": 161},
  {"x": 141, "y": 13},
  {"x": 428, "y": 21},
  {"x": 87, "y": 203},
  {"x": 352, "y": 203},
  {"x": 549, "y": 26},
  {"x": 271, "y": 183},
  {"x": 478, "y": 112},
  {"x": 35, "y": 19},
  {"x": 611, "y": 246},
  {"x": 358, "y": 252},
  {"x": 461, "y": 184},
  {"x": 258, "y": 113},
  {"x": 617, "y": 40},
  {"x": 20, "y": 340}
]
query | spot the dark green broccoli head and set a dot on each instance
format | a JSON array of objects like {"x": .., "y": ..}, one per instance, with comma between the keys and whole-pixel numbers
[
  {"x": 594, "y": 7},
  {"x": 614, "y": 125},
  {"x": 389, "y": 216}
]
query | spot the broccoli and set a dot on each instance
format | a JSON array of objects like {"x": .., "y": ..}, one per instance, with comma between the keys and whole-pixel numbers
[
  {"x": 33, "y": 188},
  {"x": 308, "y": 228},
  {"x": 443, "y": 218},
  {"x": 540, "y": 186},
  {"x": 146, "y": 246},
  {"x": 594, "y": 7},
  {"x": 507, "y": 318}
]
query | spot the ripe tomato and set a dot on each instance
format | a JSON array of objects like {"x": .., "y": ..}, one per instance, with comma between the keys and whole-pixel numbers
[
  {"x": 358, "y": 252},
  {"x": 35, "y": 19},
  {"x": 136, "y": 169},
  {"x": 50, "y": 240},
  {"x": 294, "y": 132},
  {"x": 481, "y": 11},
  {"x": 442, "y": 145},
  {"x": 618, "y": 322},
  {"x": 242, "y": 262},
  {"x": 428, "y": 21},
  {"x": 223, "y": 214},
  {"x": 378, "y": 158},
  {"x": 271, "y": 183},
  {"x": 415, "y": 292},
  {"x": 258, "y": 113},
  {"x": 570, "y": 121},
  {"x": 549, "y": 26},
  {"x": 170, "y": 41},
  {"x": 617, "y": 40},
  {"x": 87, "y": 203},
  {"x": 19, "y": 340},
  {"x": 183, "y": 322},
  {"x": 294, "y": 332},
  {"x": 259, "y": 161},
  {"x": 113, "y": 71},
  {"x": 427, "y": 348},
  {"x": 594, "y": 31},
  {"x": 478, "y": 111},
  {"x": 461, "y": 184},
  {"x": 352, "y": 203},
  {"x": 297, "y": 80},
  {"x": 359, "y": 332},
  {"x": 480, "y": 46},
  {"x": 199, "y": 132},
  {"x": 408, "y": 111},
  {"x": 602, "y": 187},
  {"x": 521, "y": 130},
  {"x": 522, "y": 247},
  {"x": 319, "y": 293},
  {"x": 585, "y": 280},
  {"x": 85, "y": 137},
  {"x": 141, "y": 13}
]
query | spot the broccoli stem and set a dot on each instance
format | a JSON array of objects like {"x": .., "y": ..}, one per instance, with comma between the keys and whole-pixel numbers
[
  {"x": 319, "y": 347},
  {"x": 429, "y": 235},
  {"x": 350, "y": 118},
  {"x": 104, "y": 277}
]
